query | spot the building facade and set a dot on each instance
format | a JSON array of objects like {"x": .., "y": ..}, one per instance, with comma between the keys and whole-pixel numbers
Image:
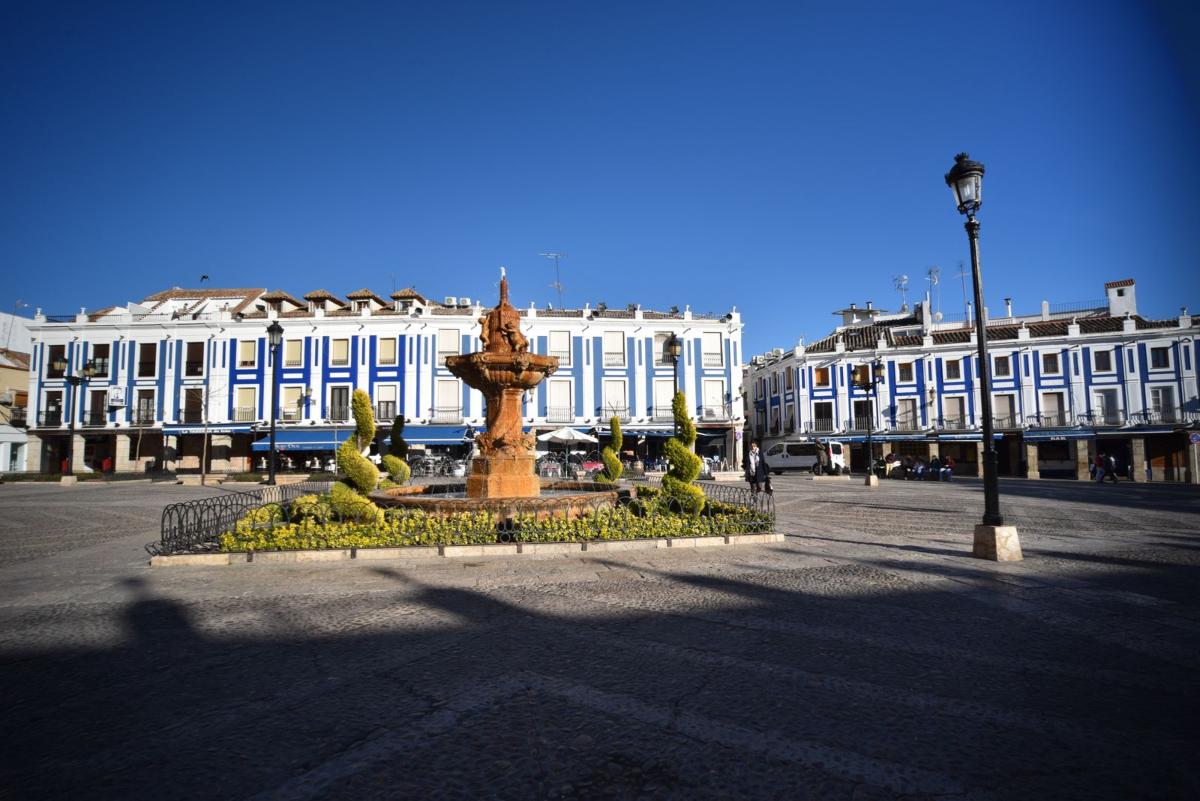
[
  {"x": 186, "y": 375},
  {"x": 1068, "y": 383}
]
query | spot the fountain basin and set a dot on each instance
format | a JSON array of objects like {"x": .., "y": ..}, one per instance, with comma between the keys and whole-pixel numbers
[{"x": 566, "y": 500}]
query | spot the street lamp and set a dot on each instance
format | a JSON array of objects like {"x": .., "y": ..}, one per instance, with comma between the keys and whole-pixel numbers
[
  {"x": 869, "y": 380},
  {"x": 673, "y": 349},
  {"x": 274, "y": 339},
  {"x": 993, "y": 539},
  {"x": 88, "y": 371}
]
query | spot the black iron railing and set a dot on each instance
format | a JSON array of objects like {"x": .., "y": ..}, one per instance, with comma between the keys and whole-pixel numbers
[
  {"x": 339, "y": 414},
  {"x": 1048, "y": 420},
  {"x": 560, "y": 414},
  {"x": 95, "y": 417},
  {"x": 447, "y": 414},
  {"x": 50, "y": 418},
  {"x": 193, "y": 368},
  {"x": 720, "y": 412},
  {"x": 191, "y": 416},
  {"x": 662, "y": 413},
  {"x": 820, "y": 424},
  {"x": 245, "y": 414}
]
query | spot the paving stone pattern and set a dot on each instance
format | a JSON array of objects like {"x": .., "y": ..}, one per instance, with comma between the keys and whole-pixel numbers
[{"x": 866, "y": 657}]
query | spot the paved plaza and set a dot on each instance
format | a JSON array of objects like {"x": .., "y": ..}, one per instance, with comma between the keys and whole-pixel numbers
[{"x": 866, "y": 657}]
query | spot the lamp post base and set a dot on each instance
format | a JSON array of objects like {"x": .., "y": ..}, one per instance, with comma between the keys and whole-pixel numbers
[
  {"x": 872, "y": 481},
  {"x": 997, "y": 543}
]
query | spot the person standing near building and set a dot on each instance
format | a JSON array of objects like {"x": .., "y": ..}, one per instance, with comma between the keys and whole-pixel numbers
[
  {"x": 1098, "y": 468},
  {"x": 1110, "y": 467},
  {"x": 755, "y": 467}
]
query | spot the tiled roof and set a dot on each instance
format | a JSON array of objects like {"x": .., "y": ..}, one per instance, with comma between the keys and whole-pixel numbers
[
  {"x": 14, "y": 358},
  {"x": 408, "y": 293},
  {"x": 277, "y": 295},
  {"x": 365, "y": 294},
  {"x": 247, "y": 294},
  {"x": 1143, "y": 323},
  {"x": 321, "y": 294},
  {"x": 1122, "y": 282}
]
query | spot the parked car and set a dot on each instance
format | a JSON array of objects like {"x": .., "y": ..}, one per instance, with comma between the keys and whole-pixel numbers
[{"x": 785, "y": 456}]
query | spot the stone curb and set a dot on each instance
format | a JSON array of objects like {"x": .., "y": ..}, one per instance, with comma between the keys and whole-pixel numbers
[{"x": 530, "y": 549}]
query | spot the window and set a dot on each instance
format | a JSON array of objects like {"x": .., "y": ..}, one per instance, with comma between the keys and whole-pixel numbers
[
  {"x": 193, "y": 405},
  {"x": 1160, "y": 358},
  {"x": 98, "y": 406},
  {"x": 293, "y": 353},
  {"x": 906, "y": 414},
  {"x": 954, "y": 412},
  {"x": 53, "y": 409},
  {"x": 1105, "y": 411},
  {"x": 147, "y": 359},
  {"x": 615, "y": 399},
  {"x": 193, "y": 359},
  {"x": 245, "y": 404},
  {"x": 144, "y": 412},
  {"x": 55, "y": 353},
  {"x": 660, "y": 349},
  {"x": 339, "y": 403},
  {"x": 339, "y": 352},
  {"x": 1162, "y": 404},
  {"x": 560, "y": 347},
  {"x": 713, "y": 349},
  {"x": 449, "y": 401},
  {"x": 823, "y": 416},
  {"x": 790, "y": 379},
  {"x": 1002, "y": 367},
  {"x": 1053, "y": 409},
  {"x": 559, "y": 408},
  {"x": 821, "y": 377},
  {"x": 100, "y": 360},
  {"x": 663, "y": 389},
  {"x": 906, "y": 372},
  {"x": 1004, "y": 411},
  {"x": 953, "y": 369},
  {"x": 385, "y": 402},
  {"x": 447, "y": 344},
  {"x": 614, "y": 349},
  {"x": 247, "y": 353},
  {"x": 789, "y": 418},
  {"x": 774, "y": 383},
  {"x": 714, "y": 399},
  {"x": 387, "y": 350},
  {"x": 290, "y": 403},
  {"x": 1050, "y": 365},
  {"x": 1102, "y": 361}
]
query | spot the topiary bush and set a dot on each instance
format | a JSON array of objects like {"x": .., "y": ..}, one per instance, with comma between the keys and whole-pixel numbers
[
  {"x": 612, "y": 455},
  {"x": 359, "y": 471},
  {"x": 685, "y": 465},
  {"x": 396, "y": 469},
  {"x": 398, "y": 448},
  {"x": 349, "y": 505}
]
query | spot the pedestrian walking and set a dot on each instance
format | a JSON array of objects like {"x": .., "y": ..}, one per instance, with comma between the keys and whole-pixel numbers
[
  {"x": 1110, "y": 467},
  {"x": 755, "y": 466},
  {"x": 1098, "y": 467}
]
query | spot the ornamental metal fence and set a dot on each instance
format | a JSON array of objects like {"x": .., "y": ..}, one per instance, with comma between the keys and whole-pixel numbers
[{"x": 611, "y": 512}]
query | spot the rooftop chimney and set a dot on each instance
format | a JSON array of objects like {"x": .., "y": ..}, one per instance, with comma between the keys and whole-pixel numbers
[{"x": 1008, "y": 307}]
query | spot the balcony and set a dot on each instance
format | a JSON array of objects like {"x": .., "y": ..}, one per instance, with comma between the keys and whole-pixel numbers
[
  {"x": 907, "y": 423},
  {"x": 1152, "y": 417},
  {"x": 245, "y": 414},
  {"x": 143, "y": 416},
  {"x": 95, "y": 418},
  {"x": 712, "y": 360},
  {"x": 560, "y": 414},
  {"x": 1048, "y": 420},
  {"x": 385, "y": 411},
  {"x": 862, "y": 423},
  {"x": 619, "y": 412},
  {"x": 714, "y": 412},
  {"x": 821, "y": 425},
  {"x": 17, "y": 416},
  {"x": 339, "y": 413},
  {"x": 954, "y": 422},
  {"x": 1004, "y": 421},
  {"x": 563, "y": 356},
  {"x": 291, "y": 414},
  {"x": 614, "y": 359},
  {"x": 193, "y": 369},
  {"x": 447, "y": 414},
  {"x": 191, "y": 416},
  {"x": 1101, "y": 419},
  {"x": 50, "y": 418}
]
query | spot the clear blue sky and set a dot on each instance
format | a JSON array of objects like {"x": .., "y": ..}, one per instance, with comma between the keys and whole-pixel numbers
[{"x": 786, "y": 159}]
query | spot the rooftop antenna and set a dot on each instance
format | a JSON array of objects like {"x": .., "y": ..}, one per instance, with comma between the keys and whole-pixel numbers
[
  {"x": 901, "y": 284},
  {"x": 933, "y": 274},
  {"x": 557, "y": 285}
]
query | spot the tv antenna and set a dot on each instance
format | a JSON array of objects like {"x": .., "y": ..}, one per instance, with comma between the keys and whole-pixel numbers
[
  {"x": 557, "y": 285},
  {"x": 901, "y": 284},
  {"x": 933, "y": 274}
]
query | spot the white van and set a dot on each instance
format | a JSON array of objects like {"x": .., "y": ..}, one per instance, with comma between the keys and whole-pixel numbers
[{"x": 784, "y": 456}]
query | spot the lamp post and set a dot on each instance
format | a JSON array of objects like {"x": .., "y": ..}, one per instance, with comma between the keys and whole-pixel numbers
[
  {"x": 673, "y": 349},
  {"x": 76, "y": 380},
  {"x": 870, "y": 379},
  {"x": 274, "y": 339},
  {"x": 993, "y": 539}
]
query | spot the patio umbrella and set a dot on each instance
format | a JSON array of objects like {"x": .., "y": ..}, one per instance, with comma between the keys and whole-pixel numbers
[{"x": 567, "y": 436}]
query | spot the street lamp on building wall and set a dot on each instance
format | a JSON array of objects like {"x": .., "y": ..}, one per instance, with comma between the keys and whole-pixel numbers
[
  {"x": 76, "y": 380},
  {"x": 868, "y": 379},
  {"x": 673, "y": 349},
  {"x": 993, "y": 539},
  {"x": 274, "y": 339}
]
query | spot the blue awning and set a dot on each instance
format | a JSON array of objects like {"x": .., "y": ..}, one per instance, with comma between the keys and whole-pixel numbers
[
  {"x": 1058, "y": 435},
  {"x": 432, "y": 435},
  {"x": 291, "y": 439},
  {"x": 965, "y": 437},
  {"x": 213, "y": 428}
]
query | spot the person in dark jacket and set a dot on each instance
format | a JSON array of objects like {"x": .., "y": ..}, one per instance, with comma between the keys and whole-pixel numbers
[{"x": 755, "y": 466}]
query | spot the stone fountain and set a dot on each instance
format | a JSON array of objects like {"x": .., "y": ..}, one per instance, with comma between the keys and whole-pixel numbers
[{"x": 503, "y": 480}]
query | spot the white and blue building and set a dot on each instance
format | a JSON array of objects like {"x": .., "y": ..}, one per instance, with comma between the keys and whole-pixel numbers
[
  {"x": 1068, "y": 382},
  {"x": 185, "y": 375}
]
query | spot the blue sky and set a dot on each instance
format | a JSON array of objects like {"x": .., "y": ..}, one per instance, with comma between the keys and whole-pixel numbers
[{"x": 785, "y": 158}]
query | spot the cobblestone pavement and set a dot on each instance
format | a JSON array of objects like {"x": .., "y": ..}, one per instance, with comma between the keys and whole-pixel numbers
[{"x": 867, "y": 657}]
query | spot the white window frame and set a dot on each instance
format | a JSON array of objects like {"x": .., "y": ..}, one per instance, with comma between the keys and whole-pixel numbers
[
  {"x": 605, "y": 406},
  {"x": 817, "y": 384},
  {"x": 553, "y": 351},
  {"x": 960, "y": 399},
  {"x": 133, "y": 408},
  {"x": 333, "y": 360},
  {"x": 1057, "y": 359},
  {"x": 137, "y": 367},
  {"x": 1113, "y": 355},
  {"x": 437, "y": 395},
  {"x": 329, "y": 388},
  {"x": 1150, "y": 357},
  {"x": 299, "y": 361},
  {"x": 557, "y": 382},
  {"x": 237, "y": 392},
  {"x": 705, "y": 350},
  {"x": 253, "y": 352},
  {"x": 605, "y": 352},
  {"x": 1158, "y": 389},
  {"x": 395, "y": 360},
  {"x": 447, "y": 333},
  {"x": 705, "y": 383},
  {"x": 946, "y": 369},
  {"x": 299, "y": 407},
  {"x": 1008, "y": 363},
  {"x": 912, "y": 372}
]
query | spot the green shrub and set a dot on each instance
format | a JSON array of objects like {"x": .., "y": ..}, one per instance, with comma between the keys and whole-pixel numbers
[
  {"x": 685, "y": 465},
  {"x": 358, "y": 469},
  {"x": 612, "y": 455},
  {"x": 349, "y": 505},
  {"x": 397, "y": 469}
]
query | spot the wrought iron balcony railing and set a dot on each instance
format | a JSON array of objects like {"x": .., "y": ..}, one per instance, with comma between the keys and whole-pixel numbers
[
  {"x": 1006, "y": 421},
  {"x": 619, "y": 412},
  {"x": 953, "y": 422},
  {"x": 907, "y": 423},
  {"x": 54, "y": 417},
  {"x": 560, "y": 414},
  {"x": 143, "y": 416},
  {"x": 245, "y": 414},
  {"x": 1101, "y": 419},
  {"x": 339, "y": 413},
  {"x": 385, "y": 411},
  {"x": 614, "y": 359},
  {"x": 662, "y": 413},
  {"x": 17, "y": 416},
  {"x": 714, "y": 412},
  {"x": 1048, "y": 420},
  {"x": 713, "y": 360},
  {"x": 821, "y": 425},
  {"x": 447, "y": 414},
  {"x": 1160, "y": 416},
  {"x": 191, "y": 416}
]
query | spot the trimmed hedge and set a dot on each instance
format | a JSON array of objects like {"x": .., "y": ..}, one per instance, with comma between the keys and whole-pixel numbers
[
  {"x": 612, "y": 455},
  {"x": 685, "y": 465},
  {"x": 359, "y": 471},
  {"x": 396, "y": 469}
]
